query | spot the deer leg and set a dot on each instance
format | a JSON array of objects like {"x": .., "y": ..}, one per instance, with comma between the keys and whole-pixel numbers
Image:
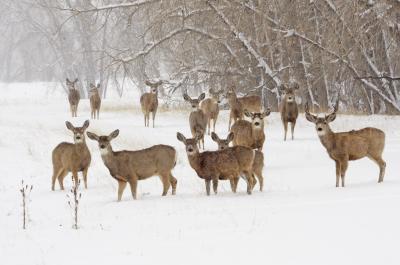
[
  {"x": 61, "y": 179},
  {"x": 209, "y": 125},
  {"x": 133, "y": 183},
  {"x": 84, "y": 173},
  {"x": 215, "y": 185},
  {"x": 56, "y": 174},
  {"x": 249, "y": 180},
  {"x": 235, "y": 182},
  {"x": 230, "y": 121},
  {"x": 75, "y": 176},
  {"x": 166, "y": 184},
  {"x": 208, "y": 183},
  {"x": 214, "y": 122},
  {"x": 343, "y": 168},
  {"x": 261, "y": 181},
  {"x": 232, "y": 182},
  {"x": 254, "y": 181},
  {"x": 337, "y": 172},
  {"x": 173, "y": 182},
  {"x": 285, "y": 125},
  {"x": 121, "y": 188},
  {"x": 292, "y": 125},
  {"x": 154, "y": 116},
  {"x": 382, "y": 167}
]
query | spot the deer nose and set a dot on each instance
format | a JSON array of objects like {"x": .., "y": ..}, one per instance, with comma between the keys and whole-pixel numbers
[
  {"x": 190, "y": 150},
  {"x": 256, "y": 123},
  {"x": 102, "y": 146},
  {"x": 319, "y": 129},
  {"x": 78, "y": 138}
]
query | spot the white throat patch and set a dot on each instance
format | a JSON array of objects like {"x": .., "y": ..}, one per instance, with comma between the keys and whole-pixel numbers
[{"x": 103, "y": 151}]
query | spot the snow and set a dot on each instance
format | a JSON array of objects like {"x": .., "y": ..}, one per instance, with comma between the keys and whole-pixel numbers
[{"x": 300, "y": 218}]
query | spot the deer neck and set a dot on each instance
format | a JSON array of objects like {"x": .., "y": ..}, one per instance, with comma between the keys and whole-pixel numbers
[
  {"x": 327, "y": 139},
  {"x": 194, "y": 161}
]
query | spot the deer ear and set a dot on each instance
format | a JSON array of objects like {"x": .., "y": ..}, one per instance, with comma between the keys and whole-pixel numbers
[
  {"x": 230, "y": 137},
  {"x": 76, "y": 80},
  {"x": 247, "y": 113},
  {"x": 266, "y": 112},
  {"x": 92, "y": 136},
  {"x": 331, "y": 117},
  {"x": 86, "y": 124},
  {"x": 215, "y": 137},
  {"x": 202, "y": 96},
  {"x": 67, "y": 81},
  {"x": 180, "y": 137},
  {"x": 69, "y": 125},
  {"x": 113, "y": 135},
  {"x": 186, "y": 97},
  {"x": 98, "y": 85}
]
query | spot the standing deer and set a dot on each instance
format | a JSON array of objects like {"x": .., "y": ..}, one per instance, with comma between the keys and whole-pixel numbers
[
  {"x": 211, "y": 165},
  {"x": 288, "y": 109},
  {"x": 210, "y": 108},
  {"x": 258, "y": 163},
  {"x": 343, "y": 147},
  {"x": 149, "y": 102},
  {"x": 250, "y": 134},
  {"x": 68, "y": 157},
  {"x": 197, "y": 118},
  {"x": 132, "y": 166},
  {"x": 73, "y": 96},
  {"x": 95, "y": 101},
  {"x": 238, "y": 105}
]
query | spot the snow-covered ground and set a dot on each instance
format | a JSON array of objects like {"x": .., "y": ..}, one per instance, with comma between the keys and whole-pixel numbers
[{"x": 300, "y": 218}]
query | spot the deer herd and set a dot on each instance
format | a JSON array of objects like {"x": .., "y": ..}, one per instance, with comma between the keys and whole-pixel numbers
[{"x": 244, "y": 159}]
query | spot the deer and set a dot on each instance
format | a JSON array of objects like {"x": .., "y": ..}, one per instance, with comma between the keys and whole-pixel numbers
[
  {"x": 258, "y": 163},
  {"x": 250, "y": 134},
  {"x": 343, "y": 147},
  {"x": 238, "y": 105},
  {"x": 229, "y": 163},
  {"x": 132, "y": 166},
  {"x": 197, "y": 118},
  {"x": 288, "y": 108},
  {"x": 73, "y": 96},
  {"x": 210, "y": 108},
  {"x": 149, "y": 102},
  {"x": 95, "y": 100},
  {"x": 71, "y": 157}
]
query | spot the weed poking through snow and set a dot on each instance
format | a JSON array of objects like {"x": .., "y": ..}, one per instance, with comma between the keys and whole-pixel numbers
[{"x": 25, "y": 192}]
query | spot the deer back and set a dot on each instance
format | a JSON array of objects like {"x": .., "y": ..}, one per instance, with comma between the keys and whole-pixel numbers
[{"x": 251, "y": 103}]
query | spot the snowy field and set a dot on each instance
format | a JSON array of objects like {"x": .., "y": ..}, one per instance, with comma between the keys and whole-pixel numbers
[{"x": 300, "y": 218}]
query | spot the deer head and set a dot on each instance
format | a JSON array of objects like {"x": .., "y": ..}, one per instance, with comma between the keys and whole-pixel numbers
[
  {"x": 71, "y": 85},
  {"x": 104, "y": 141},
  {"x": 222, "y": 143},
  {"x": 289, "y": 92},
  {"x": 194, "y": 102},
  {"x": 190, "y": 144},
  {"x": 79, "y": 132},
  {"x": 257, "y": 119},
  {"x": 153, "y": 86},
  {"x": 216, "y": 95},
  {"x": 322, "y": 123}
]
